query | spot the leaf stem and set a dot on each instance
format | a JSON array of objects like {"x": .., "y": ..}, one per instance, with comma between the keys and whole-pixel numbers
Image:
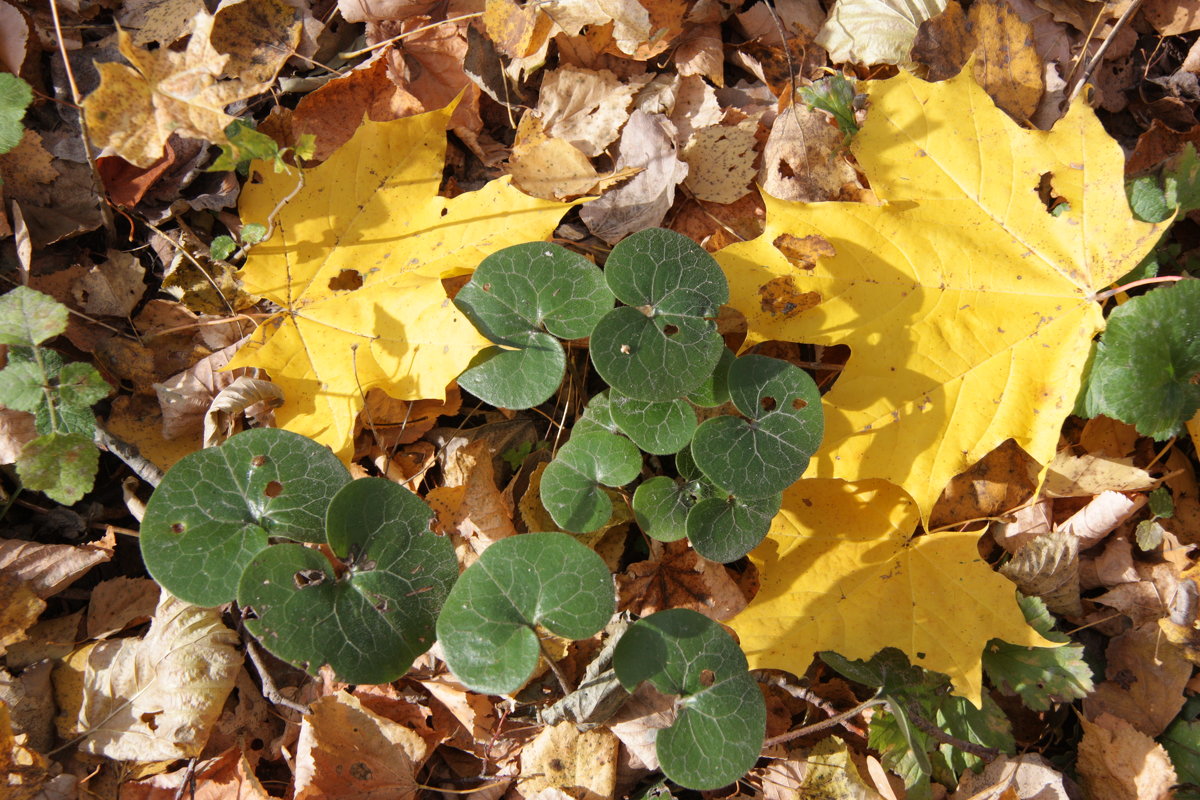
[
  {"x": 46, "y": 390},
  {"x": 1100, "y": 298},
  {"x": 563, "y": 683},
  {"x": 817, "y": 727},
  {"x": 406, "y": 34},
  {"x": 939, "y": 735}
]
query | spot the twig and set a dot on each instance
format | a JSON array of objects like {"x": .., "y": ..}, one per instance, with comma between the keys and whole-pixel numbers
[
  {"x": 927, "y": 727},
  {"x": 406, "y": 34},
  {"x": 1095, "y": 59},
  {"x": 269, "y": 690},
  {"x": 189, "y": 780},
  {"x": 817, "y": 727},
  {"x": 563, "y": 683},
  {"x": 105, "y": 211},
  {"x": 128, "y": 453}
]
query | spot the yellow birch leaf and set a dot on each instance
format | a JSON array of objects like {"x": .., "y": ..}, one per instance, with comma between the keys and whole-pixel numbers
[
  {"x": 840, "y": 572},
  {"x": 356, "y": 263},
  {"x": 968, "y": 306}
]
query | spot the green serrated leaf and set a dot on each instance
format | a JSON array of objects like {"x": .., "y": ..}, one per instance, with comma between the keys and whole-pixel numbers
[
  {"x": 523, "y": 297},
  {"x": 1148, "y": 534},
  {"x": 245, "y": 145},
  {"x": 488, "y": 625},
  {"x": 1146, "y": 371},
  {"x": 80, "y": 385},
  {"x": 221, "y": 248},
  {"x": 28, "y": 317},
  {"x": 768, "y": 451},
  {"x": 15, "y": 97},
  {"x": 1147, "y": 200},
  {"x": 253, "y": 232},
  {"x": 61, "y": 466},
  {"x": 67, "y": 419},
  {"x": 216, "y": 508},
  {"x": 660, "y": 428},
  {"x": 1162, "y": 505},
  {"x": 1181, "y": 740},
  {"x": 723, "y": 529},
  {"x": 663, "y": 343},
  {"x": 571, "y": 484},
  {"x": 373, "y": 621},
  {"x": 1181, "y": 181},
  {"x": 661, "y": 505},
  {"x": 1040, "y": 676},
  {"x": 306, "y": 146},
  {"x": 22, "y": 386},
  {"x": 718, "y": 733}
]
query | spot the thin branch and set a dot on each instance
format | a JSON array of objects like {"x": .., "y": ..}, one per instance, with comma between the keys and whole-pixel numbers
[
  {"x": 129, "y": 453},
  {"x": 405, "y": 35},
  {"x": 269, "y": 690},
  {"x": 563, "y": 683},
  {"x": 1099, "y": 55},
  {"x": 817, "y": 727},
  {"x": 939, "y": 735},
  {"x": 1100, "y": 298}
]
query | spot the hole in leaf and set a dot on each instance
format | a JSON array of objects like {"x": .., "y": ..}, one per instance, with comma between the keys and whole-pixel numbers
[
  {"x": 445, "y": 211},
  {"x": 306, "y": 578},
  {"x": 707, "y": 678},
  {"x": 556, "y": 765},
  {"x": 670, "y": 330},
  {"x": 767, "y": 403},
  {"x": 273, "y": 489},
  {"x": 1055, "y": 204},
  {"x": 799, "y": 403},
  {"x": 257, "y": 744},
  {"x": 258, "y": 461},
  {"x": 382, "y": 606},
  {"x": 150, "y": 718},
  {"x": 346, "y": 281},
  {"x": 179, "y": 527}
]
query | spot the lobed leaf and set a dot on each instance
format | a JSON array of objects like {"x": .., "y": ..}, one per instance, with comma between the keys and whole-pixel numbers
[
  {"x": 216, "y": 508},
  {"x": 488, "y": 625}
]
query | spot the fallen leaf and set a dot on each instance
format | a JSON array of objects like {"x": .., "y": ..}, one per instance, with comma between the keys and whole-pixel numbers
[
  {"x": 1100, "y": 517},
  {"x": 226, "y": 777},
  {"x": 675, "y": 576},
  {"x": 135, "y": 109},
  {"x": 120, "y": 603},
  {"x": 27, "y": 771},
  {"x": 586, "y": 108},
  {"x": 1171, "y": 17},
  {"x": 999, "y": 482},
  {"x": 474, "y": 510},
  {"x": 19, "y": 609},
  {"x": 961, "y": 295},
  {"x": 1048, "y": 566},
  {"x": 1145, "y": 681},
  {"x": 348, "y": 751},
  {"x": 154, "y": 698},
  {"x": 720, "y": 161},
  {"x": 1027, "y": 776},
  {"x": 1084, "y": 476},
  {"x": 839, "y": 572},
  {"x": 389, "y": 239},
  {"x": 802, "y": 160},
  {"x": 562, "y": 757},
  {"x": 47, "y": 569},
  {"x": 872, "y": 32},
  {"x": 552, "y": 168},
  {"x": 1118, "y": 762},
  {"x": 112, "y": 288}
]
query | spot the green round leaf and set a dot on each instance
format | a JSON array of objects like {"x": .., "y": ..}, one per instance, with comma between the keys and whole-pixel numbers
[
  {"x": 1146, "y": 370},
  {"x": 372, "y": 622},
  {"x": 725, "y": 529},
  {"x": 661, "y": 507},
  {"x": 571, "y": 484},
  {"x": 715, "y": 389},
  {"x": 767, "y": 452},
  {"x": 685, "y": 465},
  {"x": 215, "y": 509},
  {"x": 28, "y": 317},
  {"x": 597, "y": 416},
  {"x": 718, "y": 733},
  {"x": 487, "y": 627},
  {"x": 663, "y": 343},
  {"x": 659, "y": 428},
  {"x": 521, "y": 378}
]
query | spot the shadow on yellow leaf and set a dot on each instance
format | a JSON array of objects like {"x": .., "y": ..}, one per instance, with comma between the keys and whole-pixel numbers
[
  {"x": 840, "y": 572},
  {"x": 968, "y": 306},
  {"x": 356, "y": 262}
]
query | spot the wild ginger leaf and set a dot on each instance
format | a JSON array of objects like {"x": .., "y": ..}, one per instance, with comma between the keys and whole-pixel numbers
[
  {"x": 572, "y": 484},
  {"x": 967, "y": 305},
  {"x": 356, "y": 264}
]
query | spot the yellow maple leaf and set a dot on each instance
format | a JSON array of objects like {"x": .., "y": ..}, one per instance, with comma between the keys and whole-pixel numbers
[
  {"x": 968, "y": 306},
  {"x": 135, "y": 109},
  {"x": 840, "y": 572},
  {"x": 356, "y": 263}
]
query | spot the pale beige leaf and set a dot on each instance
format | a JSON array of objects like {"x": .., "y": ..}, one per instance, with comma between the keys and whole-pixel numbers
[
  {"x": 113, "y": 288},
  {"x": 120, "y": 603},
  {"x": 720, "y": 162},
  {"x": 47, "y": 569},
  {"x": 236, "y": 398},
  {"x": 1083, "y": 476},
  {"x": 1029, "y": 776},
  {"x": 562, "y": 757},
  {"x": 584, "y": 107},
  {"x": 803, "y": 158},
  {"x": 156, "y": 698},
  {"x": 16, "y": 429},
  {"x": 872, "y": 32},
  {"x": 1118, "y": 762},
  {"x": 1101, "y": 517},
  {"x": 1145, "y": 681}
]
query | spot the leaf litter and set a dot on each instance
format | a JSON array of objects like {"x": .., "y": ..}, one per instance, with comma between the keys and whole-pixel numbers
[{"x": 651, "y": 113}]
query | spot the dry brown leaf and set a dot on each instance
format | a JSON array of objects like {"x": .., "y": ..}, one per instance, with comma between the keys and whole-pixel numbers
[
  {"x": 154, "y": 698},
  {"x": 638, "y": 722},
  {"x": 1023, "y": 777},
  {"x": 30, "y": 700},
  {"x": 562, "y": 757},
  {"x": 14, "y": 38},
  {"x": 120, "y": 603},
  {"x": 49, "y": 639},
  {"x": 27, "y": 771},
  {"x": 244, "y": 396},
  {"x": 1048, "y": 567},
  {"x": 554, "y": 169},
  {"x": 47, "y": 569},
  {"x": 676, "y": 577},
  {"x": 584, "y": 107},
  {"x": 158, "y": 21},
  {"x": 1023, "y": 525},
  {"x": 112, "y": 288},
  {"x": 692, "y": 105},
  {"x": 1083, "y": 476},
  {"x": 347, "y": 751},
  {"x": 229, "y": 776},
  {"x": 16, "y": 430},
  {"x": 135, "y": 109},
  {"x": 1118, "y": 762},
  {"x": 1104, "y": 514},
  {"x": 473, "y": 711},
  {"x": 701, "y": 52},
  {"x": 1172, "y": 17},
  {"x": 1145, "y": 681},
  {"x": 186, "y": 397},
  {"x": 517, "y": 31},
  {"x": 19, "y": 609},
  {"x": 720, "y": 161},
  {"x": 802, "y": 159},
  {"x": 1107, "y": 437},
  {"x": 648, "y": 142},
  {"x": 999, "y": 482},
  {"x": 474, "y": 510}
]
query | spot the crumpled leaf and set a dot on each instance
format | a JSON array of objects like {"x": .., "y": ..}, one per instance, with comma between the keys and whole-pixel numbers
[
  {"x": 357, "y": 266},
  {"x": 154, "y": 698},
  {"x": 135, "y": 109},
  {"x": 839, "y": 572},
  {"x": 872, "y": 32},
  {"x": 967, "y": 305}
]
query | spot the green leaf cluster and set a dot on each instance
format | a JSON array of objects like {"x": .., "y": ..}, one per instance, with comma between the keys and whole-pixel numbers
[
  {"x": 660, "y": 353},
  {"x": 835, "y": 95},
  {"x": 62, "y": 461}
]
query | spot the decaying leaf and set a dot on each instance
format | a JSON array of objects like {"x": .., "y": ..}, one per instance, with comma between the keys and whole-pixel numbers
[
  {"x": 839, "y": 572},
  {"x": 967, "y": 305},
  {"x": 357, "y": 266},
  {"x": 1118, "y": 762}
]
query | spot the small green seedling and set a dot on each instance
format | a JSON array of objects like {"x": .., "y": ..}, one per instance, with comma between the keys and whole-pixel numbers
[
  {"x": 489, "y": 624},
  {"x": 718, "y": 732},
  {"x": 227, "y": 522},
  {"x": 835, "y": 95},
  {"x": 663, "y": 358},
  {"x": 62, "y": 461}
]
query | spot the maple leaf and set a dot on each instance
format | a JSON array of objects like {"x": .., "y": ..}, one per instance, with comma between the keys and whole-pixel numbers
[
  {"x": 135, "y": 109},
  {"x": 356, "y": 263},
  {"x": 840, "y": 572},
  {"x": 968, "y": 306}
]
